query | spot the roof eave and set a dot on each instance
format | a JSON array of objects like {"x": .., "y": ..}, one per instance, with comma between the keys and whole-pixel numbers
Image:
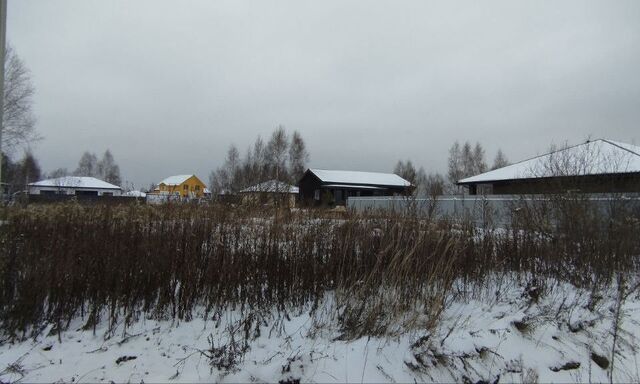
[
  {"x": 367, "y": 184},
  {"x": 461, "y": 182}
]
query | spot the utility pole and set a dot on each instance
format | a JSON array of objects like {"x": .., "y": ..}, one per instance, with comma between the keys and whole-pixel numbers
[{"x": 3, "y": 39}]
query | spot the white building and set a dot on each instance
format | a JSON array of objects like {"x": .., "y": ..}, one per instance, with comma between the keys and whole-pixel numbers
[{"x": 74, "y": 185}]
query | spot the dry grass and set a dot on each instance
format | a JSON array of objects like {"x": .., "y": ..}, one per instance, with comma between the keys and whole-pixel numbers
[{"x": 116, "y": 263}]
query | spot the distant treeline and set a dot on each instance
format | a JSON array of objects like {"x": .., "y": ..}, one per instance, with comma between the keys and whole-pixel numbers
[{"x": 284, "y": 158}]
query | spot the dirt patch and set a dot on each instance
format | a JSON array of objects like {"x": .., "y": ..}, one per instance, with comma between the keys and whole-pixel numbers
[
  {"x": 600, "y": 360},
  {"x": 123, "y": 359},
  {"x": 566, "y": 366}
]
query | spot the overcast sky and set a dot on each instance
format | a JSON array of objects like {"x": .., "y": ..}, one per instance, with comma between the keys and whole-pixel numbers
[{"x": 169, "y": 85}]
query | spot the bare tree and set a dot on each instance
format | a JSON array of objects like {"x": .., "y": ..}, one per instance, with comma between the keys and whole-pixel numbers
[
  {"x": 259, "y": 172},
  {"x": 407, "y": 171},
  {"x": 464, "y": 162},
  {"x": 87, "y": 166},
  {"x": 105, "y": 169},
  {"x": 18, "y": 123},
  {"x": 278, "y": 160},
  {"x": 108, "y": 170},
  {"x": 276, "y": 154},
  {"x": 434, "y": 184},
  {"x": 232, "y": 164},
  {"x": 455, "y": 170},
  {"x": 228, "y": 178},
  {"x": 218, "y": 181},
  {"x": 479, "y": 164},
  {"x": 468, "y": 162},
  {"x": 56, "y": 173},
  {"x": 500, "y": 160}
]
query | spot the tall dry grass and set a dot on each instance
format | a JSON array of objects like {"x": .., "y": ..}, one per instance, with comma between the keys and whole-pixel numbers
[{"x": 117, "y": 263}]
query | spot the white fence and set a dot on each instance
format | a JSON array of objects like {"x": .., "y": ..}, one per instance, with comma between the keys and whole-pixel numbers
[{"x": 496, "y": 209}]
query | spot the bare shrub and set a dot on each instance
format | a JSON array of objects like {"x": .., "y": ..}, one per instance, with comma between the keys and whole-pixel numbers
[{"x": 387, "y": 272}]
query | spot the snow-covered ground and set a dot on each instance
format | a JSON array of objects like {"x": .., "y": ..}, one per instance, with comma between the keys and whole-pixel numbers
[{"x": 561, "y": 338}]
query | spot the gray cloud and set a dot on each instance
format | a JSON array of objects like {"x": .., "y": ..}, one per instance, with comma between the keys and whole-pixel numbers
[{"x": 169, "y": 85}]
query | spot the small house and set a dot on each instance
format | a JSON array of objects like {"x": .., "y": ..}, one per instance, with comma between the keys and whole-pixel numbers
[
  {"x": 74, "y": 185},
  {"x": 270, "y": 192},
  {"x": 320, "y": 186},
  {"x": 183, "y": 186}
]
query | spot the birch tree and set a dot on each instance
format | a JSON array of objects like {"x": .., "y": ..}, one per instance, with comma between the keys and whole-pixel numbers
[{"x": 18, "y": 122}]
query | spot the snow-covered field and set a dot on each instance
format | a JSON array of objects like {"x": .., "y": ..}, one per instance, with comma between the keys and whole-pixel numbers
[{"x": 564, "y": 337}]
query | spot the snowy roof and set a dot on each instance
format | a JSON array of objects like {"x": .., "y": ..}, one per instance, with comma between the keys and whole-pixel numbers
[
  {"x": 596, "y": 157},
  {"x": 74, "y": 182},
  {"x": 356, "y": 177},
  {"x": 271, "y": 186},
  {"x": 175, "y": 180}
]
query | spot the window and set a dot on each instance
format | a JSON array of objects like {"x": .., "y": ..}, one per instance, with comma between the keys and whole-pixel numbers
[
  {"x": 86, "y": 193},
  {"x": 197, "y": 187},
  {"x": 316, "y": 194},
  {"x": 185, "y": 187}
]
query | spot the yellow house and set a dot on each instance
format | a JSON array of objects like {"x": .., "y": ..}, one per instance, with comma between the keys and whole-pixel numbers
[{"x": 181, "y": 185}]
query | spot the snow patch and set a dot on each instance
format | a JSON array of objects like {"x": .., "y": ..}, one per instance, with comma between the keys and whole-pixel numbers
[{"x": 476, "y": 339}]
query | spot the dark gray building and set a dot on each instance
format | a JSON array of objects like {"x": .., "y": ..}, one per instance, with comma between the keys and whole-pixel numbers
[
  {"x": 598, "y": 166},
  {"x": 320, "y": 186}
]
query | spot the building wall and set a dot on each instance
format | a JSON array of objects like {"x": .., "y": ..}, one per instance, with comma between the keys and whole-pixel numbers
[
  {"x": 307, "y": 187},
  {"x": 627, "y": 183},
  {"x": 73, "y": 191},
  {"x": 83, "y": 199}
]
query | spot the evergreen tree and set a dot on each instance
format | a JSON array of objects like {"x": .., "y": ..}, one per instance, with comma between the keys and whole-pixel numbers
[
  {"x": 30, "y": 169},
  {"x": 298, "y": 157}
]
